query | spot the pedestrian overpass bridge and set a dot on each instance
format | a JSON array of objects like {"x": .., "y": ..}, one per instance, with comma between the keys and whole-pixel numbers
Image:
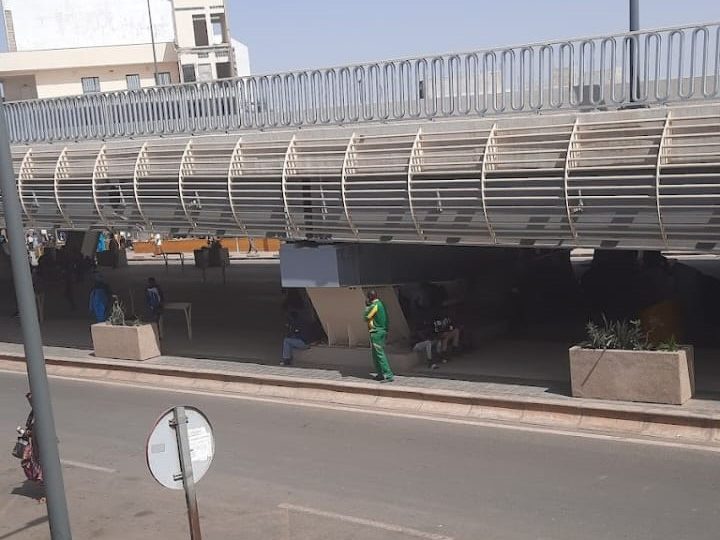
[{"x": 565, "y": 144}]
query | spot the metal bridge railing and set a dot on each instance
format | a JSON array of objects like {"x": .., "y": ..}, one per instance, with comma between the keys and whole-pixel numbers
[{"x": 675, "y": 64}]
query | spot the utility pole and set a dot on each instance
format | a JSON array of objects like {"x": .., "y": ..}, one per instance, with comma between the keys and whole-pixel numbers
[
  {"x": 152, "y": 40},
  {"x": 44, "y": 427},
  {"x": 634, "y": 50}
]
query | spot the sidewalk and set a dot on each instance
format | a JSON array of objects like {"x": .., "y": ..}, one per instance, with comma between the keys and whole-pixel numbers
[{"x": 538, "y": 404}]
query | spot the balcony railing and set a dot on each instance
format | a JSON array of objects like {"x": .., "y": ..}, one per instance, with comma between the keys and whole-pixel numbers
[{"x": 672, "y": 65}]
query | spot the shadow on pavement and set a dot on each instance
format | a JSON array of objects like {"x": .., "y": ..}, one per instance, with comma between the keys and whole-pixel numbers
[
  {"x": 28, "y": 525},
  {"x": 29, "y": 489}
]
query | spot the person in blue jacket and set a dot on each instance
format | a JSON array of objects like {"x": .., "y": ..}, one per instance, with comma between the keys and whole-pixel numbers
[{"x": 100, "y": 296}]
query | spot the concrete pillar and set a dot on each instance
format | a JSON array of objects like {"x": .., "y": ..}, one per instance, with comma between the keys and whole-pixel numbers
[{"x": 340, "y": 311}]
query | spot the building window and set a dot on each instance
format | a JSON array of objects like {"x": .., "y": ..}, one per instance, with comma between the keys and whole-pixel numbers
[
  {"x": 224, "y": 71},
  {"x": 200, "y": 28},
  {"x": 204, "y": 72},
  {"x": 163, "y": 78},
  {"x": 188, "y": 71},
  {"x": 218, "y": 28},
  {"x": 133, "y": 82},
  {"x": 90, "y": 84}
]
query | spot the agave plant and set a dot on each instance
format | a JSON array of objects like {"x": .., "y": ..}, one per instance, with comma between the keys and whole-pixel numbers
[
  {"x": 117, "y": 315},
  {"x": 623, "y": 335}
]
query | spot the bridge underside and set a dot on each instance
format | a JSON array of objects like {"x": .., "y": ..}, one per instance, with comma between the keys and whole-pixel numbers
[{"x": 633, "y": 179}]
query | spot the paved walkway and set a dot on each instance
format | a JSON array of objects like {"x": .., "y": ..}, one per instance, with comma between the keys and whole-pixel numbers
[{"x": 529, "y": 390}]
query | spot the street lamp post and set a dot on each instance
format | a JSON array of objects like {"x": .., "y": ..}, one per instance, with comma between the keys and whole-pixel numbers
[
  {"x": 44, "y": 427},
  {"x": 634, "y": 50},
  {"x": 152, "y": 40}
]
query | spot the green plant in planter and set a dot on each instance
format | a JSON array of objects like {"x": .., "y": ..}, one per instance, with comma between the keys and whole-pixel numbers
[
  {"x": 621, "y": 335},
  {"x": 671, "y": 345},
  {"x": 117, "y": 315}
]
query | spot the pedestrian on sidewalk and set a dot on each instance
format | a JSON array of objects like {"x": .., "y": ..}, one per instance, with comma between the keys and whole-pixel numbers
[
  {"x": 100, "y": 296},
  {"x": 27, "y": 451},
  {"x": 295, "y": 339},
  {"x": 377, "y": 320},
  {"x": 154, "y": 302}
]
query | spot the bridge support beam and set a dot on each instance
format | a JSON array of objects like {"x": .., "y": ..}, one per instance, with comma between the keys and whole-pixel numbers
[
  {"x": 336, "y": 278},
  {"x": 340, "y": 312}
]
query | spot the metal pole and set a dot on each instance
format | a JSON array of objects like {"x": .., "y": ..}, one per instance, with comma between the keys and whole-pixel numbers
[
  {"x": 44, "y": 429},
  {"x": 634, "y": 50},
  {"x": 152, "y": 40},
  {"x": 180, "y": 422}
]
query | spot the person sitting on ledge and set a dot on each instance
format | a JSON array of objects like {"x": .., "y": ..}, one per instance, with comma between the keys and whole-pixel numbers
[
  {"x": 295, "y": 338},
  {"x": 426, "y": 343}
]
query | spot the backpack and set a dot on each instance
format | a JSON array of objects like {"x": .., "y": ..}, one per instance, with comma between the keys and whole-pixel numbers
[{"x": 152, "y": 295}]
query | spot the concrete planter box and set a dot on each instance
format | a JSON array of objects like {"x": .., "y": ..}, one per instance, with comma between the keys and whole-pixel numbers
[
  {"x": 647, "y": 376},
  {"x": 125, "y": 342}
]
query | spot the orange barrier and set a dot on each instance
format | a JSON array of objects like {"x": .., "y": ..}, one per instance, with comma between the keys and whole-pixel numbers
[{"x": 188, "y": 245}]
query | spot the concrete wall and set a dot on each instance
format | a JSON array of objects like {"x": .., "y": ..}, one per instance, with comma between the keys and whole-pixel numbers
[
  {"x": 184, "y": 12},
  {"x": 52, "y": 35},
  {"x": 67, "y": 82},
  {"x": 340, "y": 311},
  {"x": 242, "y": 58},
  {"x": 29, "y": 62},
  {"x": 184, "y": 28},
  {"x": 57, "y": 24},
  {"x": 20, "y": 87},
  {"x": 190, "y": 4}
]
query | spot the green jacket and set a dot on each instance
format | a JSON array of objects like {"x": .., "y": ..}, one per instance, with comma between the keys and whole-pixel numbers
[{"x": 376, "y": 316}]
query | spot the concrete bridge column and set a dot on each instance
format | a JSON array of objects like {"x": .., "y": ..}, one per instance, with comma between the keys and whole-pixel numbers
[
  {"x": 340, "y": 311},
  {"x": 337, "y": 277}
]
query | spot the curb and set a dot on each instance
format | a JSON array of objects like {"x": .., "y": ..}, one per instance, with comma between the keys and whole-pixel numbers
[{"x": 561, "y": 413}]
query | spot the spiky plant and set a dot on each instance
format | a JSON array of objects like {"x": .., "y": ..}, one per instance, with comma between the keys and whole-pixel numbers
[{"x": 621, "y": 335}]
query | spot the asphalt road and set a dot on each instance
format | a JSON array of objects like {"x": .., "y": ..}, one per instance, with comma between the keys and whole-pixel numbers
[{"x": 289, "y": 472}]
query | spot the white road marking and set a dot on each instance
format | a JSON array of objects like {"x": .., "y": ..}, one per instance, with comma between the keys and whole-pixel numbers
[
  {"x": 396, "y": 414},
  {"x": 367, "y": 522},
  {"x": 88, "y": 466}
]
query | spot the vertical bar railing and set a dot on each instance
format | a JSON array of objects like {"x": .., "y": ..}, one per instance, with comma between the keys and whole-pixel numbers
[{"x": 675, "y": 64}]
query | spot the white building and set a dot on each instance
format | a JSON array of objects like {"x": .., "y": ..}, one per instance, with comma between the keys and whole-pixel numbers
[{"x": 68, "y": 47}]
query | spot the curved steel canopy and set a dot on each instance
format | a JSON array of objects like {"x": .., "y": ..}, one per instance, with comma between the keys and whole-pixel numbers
[{"x": 647, "y": 179}]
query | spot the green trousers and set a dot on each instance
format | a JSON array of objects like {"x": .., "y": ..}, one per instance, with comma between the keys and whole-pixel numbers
[{"x": 382, "y": 366}]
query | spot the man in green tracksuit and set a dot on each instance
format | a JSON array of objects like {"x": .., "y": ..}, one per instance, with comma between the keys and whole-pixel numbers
[{"x": 377, "y": 320}]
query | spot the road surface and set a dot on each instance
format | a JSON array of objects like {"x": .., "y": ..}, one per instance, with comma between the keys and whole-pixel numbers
[{"x": 290, "y": 472}]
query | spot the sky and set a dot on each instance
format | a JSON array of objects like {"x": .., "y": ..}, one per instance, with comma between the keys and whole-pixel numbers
[{"x": 294, "y": 34}]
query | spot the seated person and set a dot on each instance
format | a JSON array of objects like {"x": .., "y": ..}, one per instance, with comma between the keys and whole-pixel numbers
[
  {"x": 448, "y": 335},
  {"x": 425, "y": 342},
  {"x": 295, "y": 338}
]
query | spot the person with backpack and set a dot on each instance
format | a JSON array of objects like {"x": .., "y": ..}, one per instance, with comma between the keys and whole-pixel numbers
[
  {"x": 100, "y": 296},
  {"x": 154, "y": 300}
]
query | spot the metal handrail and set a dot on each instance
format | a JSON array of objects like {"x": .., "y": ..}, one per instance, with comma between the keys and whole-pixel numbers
[{"x": 673, "y": 64}]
